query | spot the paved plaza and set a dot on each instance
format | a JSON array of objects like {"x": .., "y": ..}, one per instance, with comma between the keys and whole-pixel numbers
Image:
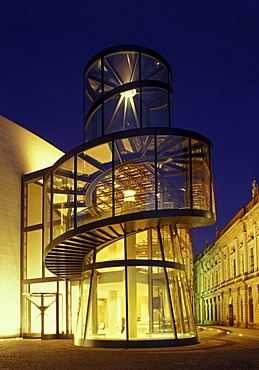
[{"x": 219, "y": 348}]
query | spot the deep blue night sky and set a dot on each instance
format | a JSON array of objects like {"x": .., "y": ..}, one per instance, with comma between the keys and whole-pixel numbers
[{"x": 211, "y": 45}]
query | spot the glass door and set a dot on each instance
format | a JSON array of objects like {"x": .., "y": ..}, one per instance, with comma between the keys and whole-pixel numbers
[{"x": 40, "y": 319}]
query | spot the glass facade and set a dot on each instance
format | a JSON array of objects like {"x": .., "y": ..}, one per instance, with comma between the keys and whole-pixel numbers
[
  {"x": 129, "y": 172},
  {"x": 49, "y": 304},
  {"x": 143, "y": 297},
  {"x": 126, "y": 90},
  {"x": 111, "y": 214}
]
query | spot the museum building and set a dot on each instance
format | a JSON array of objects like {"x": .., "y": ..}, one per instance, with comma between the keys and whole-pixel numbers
[
  {"x": 226, "y": 274},
  {"x": 96, "y": 242}
]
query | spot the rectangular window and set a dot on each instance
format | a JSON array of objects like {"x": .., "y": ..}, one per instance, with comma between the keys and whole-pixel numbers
[
  {"x": 242, "y": 263},
  {"x": 233, "y": 268},
  {"x": 251, "y": 259},
  {"x": 217, "y": 278}
]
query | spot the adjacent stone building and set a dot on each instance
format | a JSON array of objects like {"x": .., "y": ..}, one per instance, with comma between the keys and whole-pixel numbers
[{"x": 227, "y": 272}]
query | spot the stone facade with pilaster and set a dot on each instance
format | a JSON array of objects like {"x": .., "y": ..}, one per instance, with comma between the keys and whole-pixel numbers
[{"x": 226, "y": 274}]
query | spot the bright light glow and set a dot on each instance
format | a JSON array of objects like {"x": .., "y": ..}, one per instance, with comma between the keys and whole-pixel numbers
[
  {"x": 129, "y": 195},
  {"x": 9, "y": 308},
  {"x": 240, "y": 335},
  {"x": 129, "y": 94},
  {"x": 228, "y": 332}
]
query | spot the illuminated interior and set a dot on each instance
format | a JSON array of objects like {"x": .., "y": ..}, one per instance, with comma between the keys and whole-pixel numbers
[
  {"x": 153, "y": 302},
  {"x": 104, "y": 256},
  {"x": 114, "y": 205}
]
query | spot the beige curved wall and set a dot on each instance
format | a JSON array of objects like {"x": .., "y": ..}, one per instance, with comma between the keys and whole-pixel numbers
[{"x": 21, "y": 152}]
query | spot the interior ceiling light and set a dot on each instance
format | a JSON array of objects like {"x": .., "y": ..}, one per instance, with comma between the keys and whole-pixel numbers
[{"x": 129, "y": 93}]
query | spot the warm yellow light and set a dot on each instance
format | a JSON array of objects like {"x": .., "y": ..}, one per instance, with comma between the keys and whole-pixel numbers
[
  {"x": 129, "y": 195},
  {"x": 129, "y": 94}
]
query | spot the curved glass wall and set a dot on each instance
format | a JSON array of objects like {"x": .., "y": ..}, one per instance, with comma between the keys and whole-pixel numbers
[
  {"x": 131, "y": 174},
  {"x": 108, "y": 205},
  {"x": 143, "y": 297},
  {"x": 125, "y": 90}
]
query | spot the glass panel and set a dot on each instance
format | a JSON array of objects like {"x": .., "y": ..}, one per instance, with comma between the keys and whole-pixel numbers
[
  {"x": 93, "y": 127},
  {"x": 143, "y": 245},
  {"x": 213, "y": 206},
  {"x": 200, "y": 175},
  {"x": 83, "y": 305},
  {"x": 92, "y": 92},
  {"x": 181, "y": 304},
  {"x": 171, "y": 244},
  {"x": 47, "y": 204},
  {"x": 97, "y": 175},
  {"x": 33, "y": 203},
  {"x": 40, "y": 308},
  {"x": 33, "y": 254},
  {"x": 63, "y": 198},
  {"x": 155, "y": 107},
  {"x": 87, "y": 170},
  {"x": 134, "y": 185},
  {"x": 166, "y": 237},
  {"x": 73, "y": 307},
  {"x": 121, "y": 112},
  {"x": 114, "y": 251},
  {"x": 173, "y": 166},
  {"x": 153, "y": 69},
  {"x": 149, "y": 309},
  {"x": 92, "y": 81},
  {"x": 62, "y": 307},
  {"x": 155, "y": 249},
  {"x": 107, "y": 307},
  {"x": 120, "y": 68}
]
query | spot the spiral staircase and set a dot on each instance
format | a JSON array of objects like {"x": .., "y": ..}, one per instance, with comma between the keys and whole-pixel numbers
[{"x": 113, "y": 205}]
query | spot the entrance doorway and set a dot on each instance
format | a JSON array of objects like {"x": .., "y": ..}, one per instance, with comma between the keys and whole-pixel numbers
[
  {"x": 230, "y": 315},
  {"x": 41, "y": 315}
]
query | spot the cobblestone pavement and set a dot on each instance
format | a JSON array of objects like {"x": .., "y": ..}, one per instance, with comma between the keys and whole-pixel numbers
[{"x": 219, "y": 348}]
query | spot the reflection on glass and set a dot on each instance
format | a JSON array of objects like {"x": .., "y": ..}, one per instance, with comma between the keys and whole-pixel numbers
[
  {"x": 120, "y": 68},
  {"x": 63, "y": 198},
  {"x": 33, "y": 252},
  {"x": 114, "y": 251},
  {"x": 134, "y": 172},
  {"x": 200, "y": 175},
  {"x": 155, "y": 107},
  {"x": 107, "y": 312},
  {"x": 150, "y": 315},
  {"x": 94, "y": 126},
  {"x": 33, "y": 191},
  {"x": 83, "y": 305},
  {"x": 173, "y": 168},
  {"x": 181, "y": 303},
  {"x": 171, "y": 244},
  {"x": 47, "y": 198},
  {"x": 122, "y": 111},
  {"x": 153, "y": 69}
]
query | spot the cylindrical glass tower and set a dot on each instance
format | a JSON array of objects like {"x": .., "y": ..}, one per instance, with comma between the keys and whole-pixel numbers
[
  {"x": 126, "y": 88},
  {"x": 114, "y": 204}
]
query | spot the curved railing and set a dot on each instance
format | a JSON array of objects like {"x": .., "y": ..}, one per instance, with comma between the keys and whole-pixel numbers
[{"x": 158, "y": 175}]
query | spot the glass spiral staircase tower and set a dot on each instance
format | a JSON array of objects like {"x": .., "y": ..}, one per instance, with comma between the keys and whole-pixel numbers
[{"x": 113, "y": 206}]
